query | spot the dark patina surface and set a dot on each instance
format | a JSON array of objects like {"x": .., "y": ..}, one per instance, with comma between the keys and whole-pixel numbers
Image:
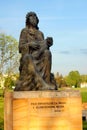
[{"x": 36, "y": 58}]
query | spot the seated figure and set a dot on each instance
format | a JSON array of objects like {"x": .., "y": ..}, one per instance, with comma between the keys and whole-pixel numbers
[{"x": 35, "y": 62}]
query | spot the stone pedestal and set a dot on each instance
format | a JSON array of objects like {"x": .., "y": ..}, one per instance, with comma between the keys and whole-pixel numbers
[{"x": 43, "y": 110}]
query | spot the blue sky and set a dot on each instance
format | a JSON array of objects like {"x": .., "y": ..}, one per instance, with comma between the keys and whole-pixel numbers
[{"x": 64, "y": 20}]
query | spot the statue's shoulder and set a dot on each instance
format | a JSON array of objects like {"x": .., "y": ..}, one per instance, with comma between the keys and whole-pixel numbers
[
  {"x": 24, "y": 30},
  {"x": 41, "y": 33}
]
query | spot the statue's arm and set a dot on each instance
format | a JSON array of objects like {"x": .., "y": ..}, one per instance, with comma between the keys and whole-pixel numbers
[
  {"x": 48, "y": 42},
  {"x": 23, "y": 41},
  {"x": 24, "y": 44},
  {"x": 44, "y": 45},
  {"x": 36, "y": 44}
]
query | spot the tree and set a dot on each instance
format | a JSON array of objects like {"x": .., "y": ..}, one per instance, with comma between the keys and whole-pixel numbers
[
  {"x": 83, "y": 78},
  {"x": 73, "y": 79},
  {"x": 60, "y": 80},
  {"x": 9, "y": 56},
  {"x": 10, "y": 81}
]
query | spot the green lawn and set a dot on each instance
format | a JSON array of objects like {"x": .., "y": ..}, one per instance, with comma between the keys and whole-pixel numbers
[
  {"x": 83, "y": 93},
  {"x": 84, "y": 99},
  {"x": 1, "y": 113},
  {"x": 84, "y": 125}
]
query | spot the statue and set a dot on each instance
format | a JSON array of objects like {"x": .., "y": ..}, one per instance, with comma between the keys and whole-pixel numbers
[{"x": 35, "y": 62}]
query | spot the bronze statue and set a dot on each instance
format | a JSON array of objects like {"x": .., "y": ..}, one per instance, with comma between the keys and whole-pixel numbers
[{"x": 35, "y": 62}]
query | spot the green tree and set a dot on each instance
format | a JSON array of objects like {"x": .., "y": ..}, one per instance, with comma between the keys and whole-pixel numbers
[
  {"x": 9, "y": 55},
  {"x": 83, "y": 78},
  {"x": 60, "y": 80},
  {"x": 9, "y": 82},
  {"x": 73, "y": 79}
]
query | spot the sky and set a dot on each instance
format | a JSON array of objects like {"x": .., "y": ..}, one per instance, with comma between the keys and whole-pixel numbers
[{"x": 64, "y": 20}]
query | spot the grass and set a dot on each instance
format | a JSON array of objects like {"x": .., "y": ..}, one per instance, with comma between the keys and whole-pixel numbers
[
  {"x": 84, "y": 125},
  {"x": 84, "y": 99},
  {"x": 83, "y": 93},
  {"x": 1, "y": 113},
  {"x": 84, "y": 96}
]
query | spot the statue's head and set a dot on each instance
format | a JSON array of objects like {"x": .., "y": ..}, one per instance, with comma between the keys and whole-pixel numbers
[{"x": 32, "y": 19}]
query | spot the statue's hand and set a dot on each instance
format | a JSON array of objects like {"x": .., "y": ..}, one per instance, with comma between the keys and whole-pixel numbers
[
  {"x": 36, "y": 54},
  {"x": 34, "y": 45},
  {"x": 49, "y": 41}
]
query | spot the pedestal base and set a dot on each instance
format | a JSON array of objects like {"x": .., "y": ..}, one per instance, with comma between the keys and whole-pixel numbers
[{"x": 43, "y": 110}]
